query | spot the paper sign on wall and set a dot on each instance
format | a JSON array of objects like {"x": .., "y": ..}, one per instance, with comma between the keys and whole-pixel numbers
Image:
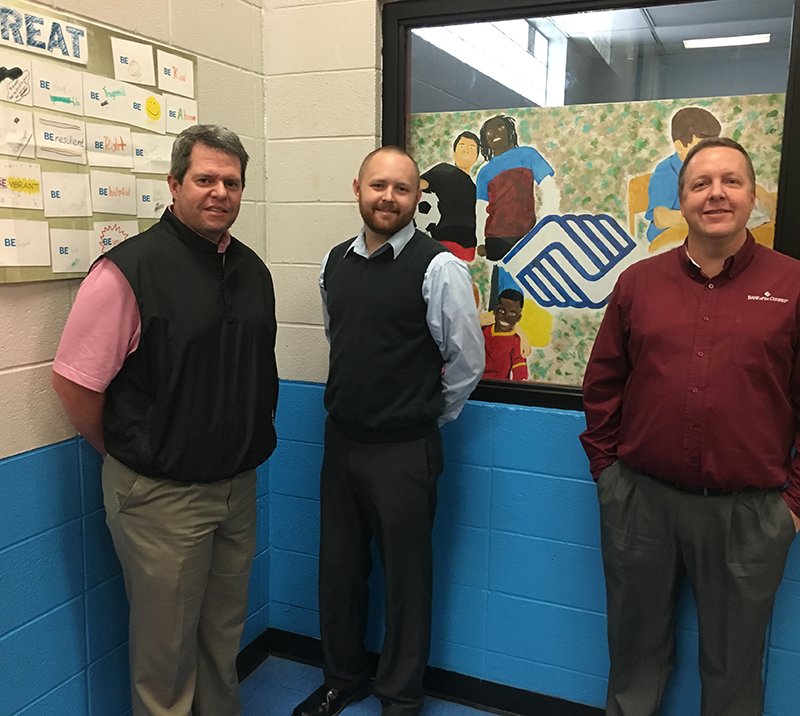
[
  {"x": 60, "y": 138},
  {"x": 109, "y": 145},
  {"x": 107, "y": 234},
  {"x": 113, "y": 193},
  {"x": 16, "y": 132},
  {"x": 66, "y": 194},
  {"x": 24, "y": 243},
  {"x": 57, "y": 88},
  {"x": 15, "y": 79},
  {"x": 20, "y": 185},
  {"x": 175, "y": 74},
  {"x": 70, "y": 250},
  {"x": 133, "y": 61},
  {"x": 151, "y": 153},
  {"x": 181, "y": 113},
  {"x": 45, "y": 35},
  {"x": 117, "y": 101},
  {"x": 152, "y": 197}
]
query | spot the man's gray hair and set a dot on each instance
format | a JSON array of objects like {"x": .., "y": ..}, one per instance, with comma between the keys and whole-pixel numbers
[{"x": 212, "y": 135}]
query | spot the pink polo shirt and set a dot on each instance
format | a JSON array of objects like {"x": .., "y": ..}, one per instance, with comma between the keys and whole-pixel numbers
[{"x": 103, "y": 327}]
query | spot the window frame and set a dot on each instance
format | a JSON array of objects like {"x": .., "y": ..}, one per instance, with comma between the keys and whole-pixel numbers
[{"x": 400, "y": 17}]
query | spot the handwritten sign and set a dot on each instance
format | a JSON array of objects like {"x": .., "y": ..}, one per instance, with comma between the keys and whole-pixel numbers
[
  {"x": 20, "y": 185},
  {"x": 133, "y": 61},
  {"x": 181, "y": 113},
  {"x": 57, "y": 88},
  {"x": 151, "y": 153},
  {"x": 59, "y": 138},
  {"x": 71, "y": 250},
  {"x": 107, "y": 234},
  {"x": 152, "y": 197},
  {"x": 113, "y": 193},
  {"x": 66, "y": 194},
  {"x": 32, "y": 32},
  {"x": 16, "y": 133},
  {"x": 175, "y": 74},
  {"x": 117, "y": 101},
  {"x": 15, "y": 79},
  {"x": 109, "y": 145},
  {"x": 24, "y": 243}
]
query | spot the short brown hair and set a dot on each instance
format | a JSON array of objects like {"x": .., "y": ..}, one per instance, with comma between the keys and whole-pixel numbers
[
  {"x": 716, "y": 142},
  {"x": 392, "y": 148},
  {"x": 691, "y": 122}
]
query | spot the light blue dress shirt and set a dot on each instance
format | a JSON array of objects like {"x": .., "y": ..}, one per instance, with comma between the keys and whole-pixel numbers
[{"x": 451, "y": 317}]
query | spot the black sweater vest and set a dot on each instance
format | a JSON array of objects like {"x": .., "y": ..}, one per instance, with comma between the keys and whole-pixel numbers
[
  {"x": 195, "y": 401},
  {"x": 384, "y": 382}
]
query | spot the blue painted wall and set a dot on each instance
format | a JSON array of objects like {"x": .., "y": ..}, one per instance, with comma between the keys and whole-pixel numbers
[
  {"x": 63, "y": 611},
  {"x": 519, "y": 594}
]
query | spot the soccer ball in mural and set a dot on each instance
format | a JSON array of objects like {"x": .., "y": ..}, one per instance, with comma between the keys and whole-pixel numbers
[{"x": 427, "y": 216}]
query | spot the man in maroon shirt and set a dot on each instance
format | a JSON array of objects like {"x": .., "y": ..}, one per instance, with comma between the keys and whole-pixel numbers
[{"x": 691, "y": 398}]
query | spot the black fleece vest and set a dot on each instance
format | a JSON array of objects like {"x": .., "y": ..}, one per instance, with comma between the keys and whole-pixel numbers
[
  {"x": 384, "y": 381},
  {"x": 195, "y": 401}
]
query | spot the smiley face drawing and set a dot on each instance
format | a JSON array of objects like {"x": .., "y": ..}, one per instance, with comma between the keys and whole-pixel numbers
[{"x": 152, "y": 107}]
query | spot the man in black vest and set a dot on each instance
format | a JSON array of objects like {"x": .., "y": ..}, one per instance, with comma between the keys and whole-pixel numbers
[
  {"x": 406, "y": 350},
  {"x": 167, "y": 367}
]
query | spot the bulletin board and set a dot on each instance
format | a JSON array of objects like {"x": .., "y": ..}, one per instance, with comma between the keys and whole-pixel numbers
[{"x": 88, "y": 116}]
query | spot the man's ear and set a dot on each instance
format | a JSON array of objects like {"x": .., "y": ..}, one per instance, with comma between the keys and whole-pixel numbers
[
  {"x": 173, "y": 184},
  {"x": 356, "y": 188}
]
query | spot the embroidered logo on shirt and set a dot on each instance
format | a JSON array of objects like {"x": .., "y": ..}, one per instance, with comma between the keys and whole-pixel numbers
[{"x": 768, "y": 297}]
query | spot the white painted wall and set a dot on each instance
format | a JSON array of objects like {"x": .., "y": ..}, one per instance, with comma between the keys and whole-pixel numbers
[
  {"x": 317, "y": 64},
  {"x": 321, "y": 62}
]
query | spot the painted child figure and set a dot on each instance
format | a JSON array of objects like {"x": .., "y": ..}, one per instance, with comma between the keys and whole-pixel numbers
[{"x": 504, "y": 359}]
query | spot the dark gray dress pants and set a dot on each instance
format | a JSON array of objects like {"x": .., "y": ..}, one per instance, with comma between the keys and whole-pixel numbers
[
  {"x": 386, "y": 491},
  {"x": 732, "y": 548}
]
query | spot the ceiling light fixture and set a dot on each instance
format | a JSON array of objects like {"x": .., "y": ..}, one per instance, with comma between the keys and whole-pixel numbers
[{"x": 726, "y": 41}]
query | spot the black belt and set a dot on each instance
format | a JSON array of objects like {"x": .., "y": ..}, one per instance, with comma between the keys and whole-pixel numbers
[{"x": 702, "y": 491}]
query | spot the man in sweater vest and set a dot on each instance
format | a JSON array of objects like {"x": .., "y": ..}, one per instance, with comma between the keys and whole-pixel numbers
[
  {"x": 167, "y": 367},
  {"x": 406, "y": 350}
]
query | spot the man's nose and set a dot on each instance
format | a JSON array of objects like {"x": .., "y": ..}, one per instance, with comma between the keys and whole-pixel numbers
[{"x": 219, "y": 188}]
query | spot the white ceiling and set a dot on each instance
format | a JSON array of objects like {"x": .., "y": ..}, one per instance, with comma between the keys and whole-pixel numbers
[{"x": 664, "y": 28}]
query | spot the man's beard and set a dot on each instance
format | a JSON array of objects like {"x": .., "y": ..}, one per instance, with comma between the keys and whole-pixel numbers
[{"x": 386, "y": 227}]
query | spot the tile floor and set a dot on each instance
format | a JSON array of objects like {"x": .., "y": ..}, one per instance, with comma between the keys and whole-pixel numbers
[{"x": 278, "y": 685}]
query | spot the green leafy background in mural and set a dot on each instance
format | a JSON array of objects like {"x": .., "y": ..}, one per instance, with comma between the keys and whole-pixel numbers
[{"x": 595, "y": 150}]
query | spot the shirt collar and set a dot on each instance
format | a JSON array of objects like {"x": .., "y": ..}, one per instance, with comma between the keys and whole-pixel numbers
[
  {"x": 220, "y": 247},
  {"x": 396, "y": 243},
  {"x": 733, "y": 266}
]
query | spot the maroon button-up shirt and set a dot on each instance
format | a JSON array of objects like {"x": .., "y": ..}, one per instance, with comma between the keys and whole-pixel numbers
[{"x": 697, "y": 381}]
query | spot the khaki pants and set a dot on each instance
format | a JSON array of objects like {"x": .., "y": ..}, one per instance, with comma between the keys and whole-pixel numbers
[
  {"x": 186, "y": 550},
  {"x": 731, "y": 548}
]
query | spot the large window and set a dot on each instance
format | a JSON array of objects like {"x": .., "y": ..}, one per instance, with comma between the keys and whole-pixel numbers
[{"x": 549, "y": 136}]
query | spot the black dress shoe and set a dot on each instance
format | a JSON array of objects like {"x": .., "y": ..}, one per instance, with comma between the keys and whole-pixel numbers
[{"x": 328, "y": 702}]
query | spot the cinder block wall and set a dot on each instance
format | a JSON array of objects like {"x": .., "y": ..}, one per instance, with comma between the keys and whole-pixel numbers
[{"x": 321, "y": 62}]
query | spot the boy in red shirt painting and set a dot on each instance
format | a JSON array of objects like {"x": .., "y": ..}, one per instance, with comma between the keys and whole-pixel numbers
[{"x": 504, "y": 359}]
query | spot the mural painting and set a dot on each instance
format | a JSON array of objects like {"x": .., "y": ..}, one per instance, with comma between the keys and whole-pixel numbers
[{"x": 547, "y": 206}]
